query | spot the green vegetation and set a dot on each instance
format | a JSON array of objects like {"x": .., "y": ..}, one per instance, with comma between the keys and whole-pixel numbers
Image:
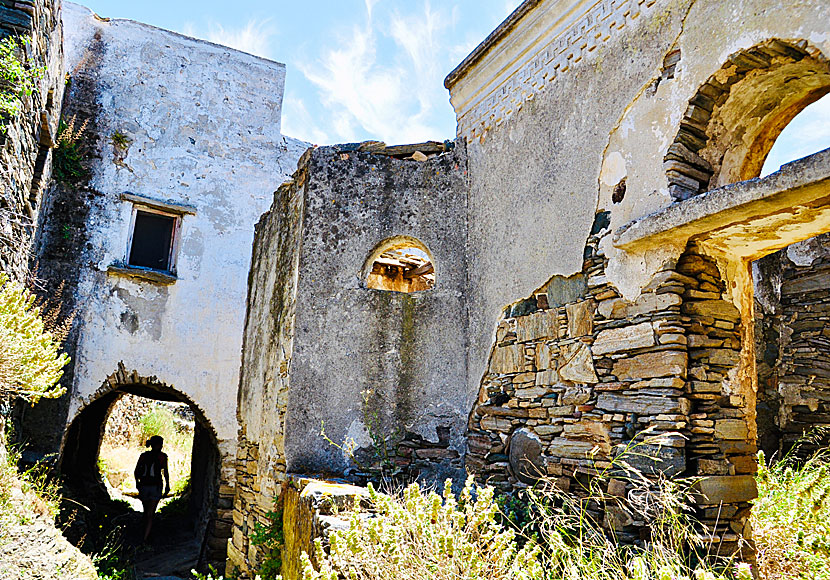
[
  {"x": 119, "y": 139},
  {"x": 30, "y": 362},
  {"x": 271, "y": 539},
  {"x": 161, "y": 421},
  {"x": 16, "y": 79},
  {"x": 111, "y": 562},
  {"x": 68, "y": 156},
  {"x": 791, "y": 518},
  {"x": 424, "y": 535},
  {"x": 420, "y": 534}
]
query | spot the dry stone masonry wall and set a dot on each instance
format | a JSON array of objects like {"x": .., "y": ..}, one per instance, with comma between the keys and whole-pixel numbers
[
  {"x": 578, "y": 374},
  {"x": 26, "y": 145},
  {"x": 793, "y": 348}
]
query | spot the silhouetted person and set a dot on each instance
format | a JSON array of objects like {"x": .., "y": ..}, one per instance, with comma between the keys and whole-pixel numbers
[{"x": 151, "y": 477}]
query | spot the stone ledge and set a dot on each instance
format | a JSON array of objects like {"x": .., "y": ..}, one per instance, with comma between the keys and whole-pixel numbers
[
  {"x": 158, "y": 204},
  {"x": 156, "y": 276},
  {"x": 725, "y": 489},
  {"x": 803, "y": 184}
]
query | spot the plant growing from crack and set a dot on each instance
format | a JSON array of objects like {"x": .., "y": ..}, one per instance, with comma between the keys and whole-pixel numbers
[
  {"x": 68, "y": 157},
  {"x": 120, "y": 140},
  {"x": 378, "y": 462}
]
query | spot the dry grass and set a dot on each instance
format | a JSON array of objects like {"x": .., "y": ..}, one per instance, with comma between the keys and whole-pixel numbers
[{"x": 791, "y": 519}]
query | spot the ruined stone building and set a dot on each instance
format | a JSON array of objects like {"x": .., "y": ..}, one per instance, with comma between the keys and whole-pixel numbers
[
  {"x": 594, "y": 255},
  {"x": 183, "y": 152}
]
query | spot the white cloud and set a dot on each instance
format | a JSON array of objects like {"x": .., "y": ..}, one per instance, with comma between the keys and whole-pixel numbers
[
  {"x": 386, "y": 89},
  {"x": 370, "y": 4},
  {"x": 298, "y": 123},
  {"x": 254, "y": 38},
  {"x": 808, "y": 133}
]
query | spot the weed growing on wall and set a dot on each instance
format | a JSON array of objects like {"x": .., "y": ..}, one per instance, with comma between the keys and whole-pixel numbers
[
  {"x": 68, "y": 156},
  {"x": 270, "y": 538},
  {"x": 31, "y": 363},
  {"x": 17, "y": 81}
]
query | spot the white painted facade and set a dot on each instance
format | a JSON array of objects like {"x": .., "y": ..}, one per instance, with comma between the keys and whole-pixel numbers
[{"x": 203, "y": 124}]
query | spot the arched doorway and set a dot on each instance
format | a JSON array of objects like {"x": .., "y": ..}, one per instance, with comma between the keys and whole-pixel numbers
[{"x": 196, "y": 533}]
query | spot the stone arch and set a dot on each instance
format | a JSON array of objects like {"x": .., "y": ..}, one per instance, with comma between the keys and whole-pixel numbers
[
  {"x": 386, "y": 269},
  {"x": 735, "y": 117},
  {"x": 82, "y": 440}
]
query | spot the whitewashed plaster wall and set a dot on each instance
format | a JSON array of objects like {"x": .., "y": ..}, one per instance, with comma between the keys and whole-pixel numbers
[
  {"x": 204, "y": 127},
  {"x": 566, "y": 103}
]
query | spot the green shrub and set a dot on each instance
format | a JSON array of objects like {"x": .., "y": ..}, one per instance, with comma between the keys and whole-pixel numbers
[
  {"x": 161, "y": 421},
  {"x": 424, "y": 535},
  {"x": 16, "y": 79},
  {"x": 271, "y": 539},
  {"x": 30, "y": 362},
  {"x": 421, "y": 535}
]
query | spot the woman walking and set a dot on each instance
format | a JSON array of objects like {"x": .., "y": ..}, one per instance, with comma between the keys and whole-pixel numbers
[{"x": 151, "y": 477}]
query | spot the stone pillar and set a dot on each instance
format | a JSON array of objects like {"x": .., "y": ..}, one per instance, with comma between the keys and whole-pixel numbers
[{"x": 721, "y": 444}]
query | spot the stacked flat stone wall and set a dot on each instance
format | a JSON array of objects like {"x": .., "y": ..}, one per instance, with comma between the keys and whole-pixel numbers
[
  {"x": 804, "y": 368},
  {"x": 25, "y": 147},
  {"x": 266, "y": 359},
  {"x": 793, "y": 348},
  {"x": 578, "y": 374}
]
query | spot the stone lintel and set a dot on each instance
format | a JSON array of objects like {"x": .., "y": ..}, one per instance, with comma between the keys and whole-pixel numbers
[
  {"x": 748, "y": 219},
  {"x": 158, "y": 204},
  {"x": 147, "y": 274}
]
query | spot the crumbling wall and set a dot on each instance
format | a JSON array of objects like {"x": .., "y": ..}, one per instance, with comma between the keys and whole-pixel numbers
[
  {"x": 794, "y": 379},
  {"x": 184, "y": 124},
  {"x": 579, "y": 378},
  {"x": 381, "y": 372},
  {"x": 26, "y": 145},
  {"x": 266, "y": 361},
  {"x": 577, "y": 113},
  {"x": 372, "y": 365}
]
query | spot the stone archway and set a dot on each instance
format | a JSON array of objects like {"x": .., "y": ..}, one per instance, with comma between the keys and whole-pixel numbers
[
  {"x": 82, "y": 440},
  {"x": 735, "y": 117}
]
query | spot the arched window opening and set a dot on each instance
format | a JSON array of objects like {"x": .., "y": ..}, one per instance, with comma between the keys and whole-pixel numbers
[
  {"x": 808, "y": 133},
  {"x": 401, "y": 264},
  {"x": 732, "y": 122}
]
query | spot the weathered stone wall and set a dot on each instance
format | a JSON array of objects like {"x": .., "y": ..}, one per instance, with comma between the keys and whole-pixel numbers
[
  {"x": 186, "y": 124},
  {"x": 584, "y": 109},
  {"x": 407, "y": 378},
  {"x": 794, "y": 324},
  {"x": 323, "y": 350},
  {"x": 580, "y": 119},
  {"x": 578, "y": 374},
  {"x": 25, "y": 148},
  {"x": 266, "y": 360}
]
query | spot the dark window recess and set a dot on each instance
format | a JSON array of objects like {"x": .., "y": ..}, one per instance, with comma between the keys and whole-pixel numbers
[{"x": 152, "y": 240}]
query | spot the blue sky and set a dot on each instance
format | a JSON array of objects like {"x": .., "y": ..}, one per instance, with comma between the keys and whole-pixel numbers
[
  {"x": 356, "y": 69},
  {"x": 374, "y": 69}
]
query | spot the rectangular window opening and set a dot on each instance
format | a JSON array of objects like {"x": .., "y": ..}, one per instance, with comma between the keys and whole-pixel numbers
[{"x": 152, "y": 240}]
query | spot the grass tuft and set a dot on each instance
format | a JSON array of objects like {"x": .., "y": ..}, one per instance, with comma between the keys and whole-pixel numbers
[{"x": 791, "y": 518}]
